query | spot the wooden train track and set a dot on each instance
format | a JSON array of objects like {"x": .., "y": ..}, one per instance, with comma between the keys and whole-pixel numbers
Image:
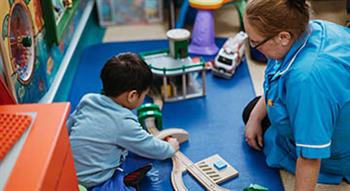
[{"x": 181, "y": 163}]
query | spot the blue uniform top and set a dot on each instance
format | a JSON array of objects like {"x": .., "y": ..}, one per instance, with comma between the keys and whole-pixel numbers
[
  {"x": 308, "y": 102},
  {"x": 102, "y": 132}
]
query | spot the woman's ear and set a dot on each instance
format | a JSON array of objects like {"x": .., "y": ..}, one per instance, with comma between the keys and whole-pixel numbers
[
  {"x": 132, "y": 96},
  {"x": 285, "y": 38}
]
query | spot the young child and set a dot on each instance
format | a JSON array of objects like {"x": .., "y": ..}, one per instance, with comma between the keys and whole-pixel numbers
[{"x": 103, "y": 129}]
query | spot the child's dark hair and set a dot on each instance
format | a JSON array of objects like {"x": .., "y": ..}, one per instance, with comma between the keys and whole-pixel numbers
[{"x": 125, "y": 72}]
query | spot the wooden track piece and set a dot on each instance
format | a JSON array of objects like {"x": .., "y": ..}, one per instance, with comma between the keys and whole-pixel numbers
[
  {"x": 181, "y": 163},
  {"x": 180, "y": 134}
]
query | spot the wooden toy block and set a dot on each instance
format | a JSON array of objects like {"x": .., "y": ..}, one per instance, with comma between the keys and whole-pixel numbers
[{"x": 219, "y": 175}]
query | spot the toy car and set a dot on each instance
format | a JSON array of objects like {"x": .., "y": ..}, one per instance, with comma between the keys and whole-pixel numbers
[{"x": 230, "y": 56}]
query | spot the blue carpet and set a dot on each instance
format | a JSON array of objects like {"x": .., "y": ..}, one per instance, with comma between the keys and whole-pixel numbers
[{"x": 214, "y": 122}]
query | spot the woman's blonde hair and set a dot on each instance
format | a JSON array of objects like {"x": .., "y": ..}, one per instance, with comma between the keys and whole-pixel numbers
[{"x": 270, "y": 17}]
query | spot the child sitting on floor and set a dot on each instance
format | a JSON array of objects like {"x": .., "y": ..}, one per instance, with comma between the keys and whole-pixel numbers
[{"x": 103, "y": 128}]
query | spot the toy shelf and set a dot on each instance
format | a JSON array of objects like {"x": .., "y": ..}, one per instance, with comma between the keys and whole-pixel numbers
[{"x": 180, "y": 78}]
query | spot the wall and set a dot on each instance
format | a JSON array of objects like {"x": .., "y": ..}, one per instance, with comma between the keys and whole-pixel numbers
[{"x": 32, "y": 68}]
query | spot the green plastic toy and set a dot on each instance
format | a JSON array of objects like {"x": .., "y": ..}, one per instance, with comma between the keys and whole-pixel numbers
[
  {"x": 255, "y": 187},
  {"x": 150, "y": 110}
]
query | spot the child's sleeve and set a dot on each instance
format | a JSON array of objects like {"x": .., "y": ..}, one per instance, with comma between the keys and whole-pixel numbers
[
  {"x": 70, "y": 122},
  {"x": 132, "y": 137}
]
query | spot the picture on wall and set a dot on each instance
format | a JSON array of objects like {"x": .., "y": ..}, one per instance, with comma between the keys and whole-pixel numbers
[{"x": 120, "y": 12}]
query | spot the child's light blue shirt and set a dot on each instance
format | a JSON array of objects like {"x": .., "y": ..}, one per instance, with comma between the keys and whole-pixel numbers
[{"x": 101, "y": 134}]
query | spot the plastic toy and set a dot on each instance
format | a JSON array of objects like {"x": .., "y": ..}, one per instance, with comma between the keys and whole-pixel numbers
[
  {"x": 134, "y": 178},
  {"x": 12, "y": 126},
  {"x": 57, "y": 16},
  {"x": 150, "y": 110},
  {"x": 203, "y": 38},
  {"x": 178, "y": 42},
  {"x": 185, "y": 11},
  {"x": 175, "y": 72},
  {"x": 230, "y": 56},
  {"x": 255, "y": 187},
  {"x": 178, "y": 76}
]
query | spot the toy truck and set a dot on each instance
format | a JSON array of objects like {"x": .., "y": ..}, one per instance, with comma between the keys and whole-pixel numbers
[{"x": 230, "y": 56}]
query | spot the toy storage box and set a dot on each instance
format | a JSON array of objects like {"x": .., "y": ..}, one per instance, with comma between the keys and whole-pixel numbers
[{"x": 119, "y": 12}]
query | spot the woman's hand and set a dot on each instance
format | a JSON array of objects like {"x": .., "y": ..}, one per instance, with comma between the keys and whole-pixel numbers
[
  {"x": 253, "y": 128},
  {"x": 254, "y": 134}
]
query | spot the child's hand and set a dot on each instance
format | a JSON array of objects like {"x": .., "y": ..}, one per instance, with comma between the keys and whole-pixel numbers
[{"x": 173, "y": 142}]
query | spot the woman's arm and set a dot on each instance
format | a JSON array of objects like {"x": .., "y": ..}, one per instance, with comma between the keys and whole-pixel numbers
[
  {"x": 253, "y": 130},
  {"x": 259, "y": 112},
  {"x": 306, "y": 174}
]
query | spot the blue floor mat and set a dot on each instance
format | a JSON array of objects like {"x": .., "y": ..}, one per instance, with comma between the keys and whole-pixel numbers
[{"x": 214, "y": 122}]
